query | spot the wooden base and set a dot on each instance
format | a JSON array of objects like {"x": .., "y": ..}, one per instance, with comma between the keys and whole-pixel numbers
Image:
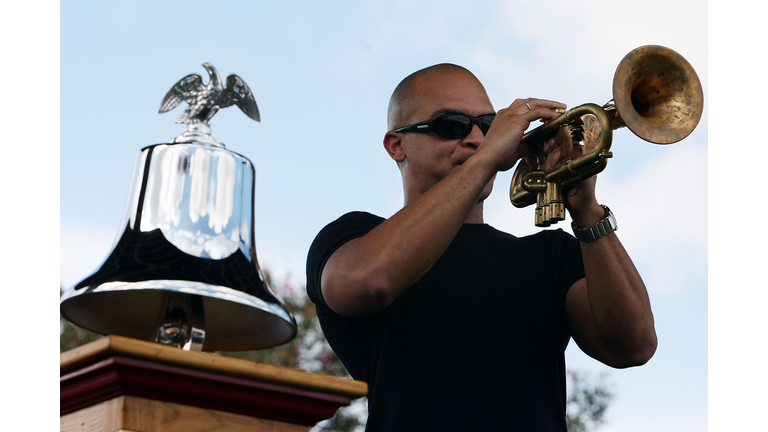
[
  {"x": 117, "y": 383},
  {"x": 128, "y": 413}
]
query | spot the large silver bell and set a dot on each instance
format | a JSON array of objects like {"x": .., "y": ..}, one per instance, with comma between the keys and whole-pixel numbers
[{"x": 183, "y": 269}]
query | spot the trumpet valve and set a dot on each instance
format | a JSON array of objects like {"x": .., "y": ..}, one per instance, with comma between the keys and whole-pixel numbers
[
  {"x": 543, "y": 209},
  {"x": 555, "y": 201},
  {"x": 557, "y": 211},
  {"x": 542, "y": 219}
]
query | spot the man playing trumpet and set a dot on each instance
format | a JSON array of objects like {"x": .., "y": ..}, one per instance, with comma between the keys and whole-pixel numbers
[{"x": 452, "y": 323}]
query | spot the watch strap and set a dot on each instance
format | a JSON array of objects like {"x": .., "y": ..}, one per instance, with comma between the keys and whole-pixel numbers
[{"x": 598, "y": 230}]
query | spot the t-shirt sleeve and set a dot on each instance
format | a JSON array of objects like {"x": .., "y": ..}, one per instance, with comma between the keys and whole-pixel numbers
[
  {"x": 572, "y": 267},
  {"x": 334, "y": 235}
]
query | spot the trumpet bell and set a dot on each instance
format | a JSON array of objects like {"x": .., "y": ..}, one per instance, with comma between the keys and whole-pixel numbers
[{"x": 658, "y": 94}]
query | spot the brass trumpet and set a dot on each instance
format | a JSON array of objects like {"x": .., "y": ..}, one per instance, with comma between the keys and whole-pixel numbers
[{"x": 656, "y": 94}]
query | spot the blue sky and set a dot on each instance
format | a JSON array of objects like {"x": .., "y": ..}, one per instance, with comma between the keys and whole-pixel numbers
[{"x": 322, "y": 73}]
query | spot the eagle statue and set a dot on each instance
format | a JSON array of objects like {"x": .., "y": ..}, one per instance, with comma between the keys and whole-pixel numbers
[{"x": 205, "y": 100}]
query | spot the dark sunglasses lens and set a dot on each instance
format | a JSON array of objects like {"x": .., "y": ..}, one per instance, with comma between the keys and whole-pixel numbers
[
  {"x": 453, "y": 126},
  {"x": 485, "y": 123}
]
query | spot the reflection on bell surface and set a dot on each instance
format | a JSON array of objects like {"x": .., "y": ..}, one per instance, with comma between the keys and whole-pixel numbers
[{"x": 183, "y": 270}]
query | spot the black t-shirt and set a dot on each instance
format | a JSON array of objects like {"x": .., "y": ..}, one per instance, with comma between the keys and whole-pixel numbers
[{"x": 477, "y": 344}]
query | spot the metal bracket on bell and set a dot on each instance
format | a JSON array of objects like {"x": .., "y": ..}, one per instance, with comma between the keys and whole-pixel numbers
[
  {"x": 182, "y": 321},
  {"x": 195, "y": 342},
  {"x": 199, "y": 133}
]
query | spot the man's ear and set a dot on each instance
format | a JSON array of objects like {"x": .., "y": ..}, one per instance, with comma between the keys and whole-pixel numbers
[{"x": 393, "y": 143}]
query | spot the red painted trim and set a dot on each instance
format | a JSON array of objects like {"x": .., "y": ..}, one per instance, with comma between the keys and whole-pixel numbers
[{"x": 119, "y": 375}]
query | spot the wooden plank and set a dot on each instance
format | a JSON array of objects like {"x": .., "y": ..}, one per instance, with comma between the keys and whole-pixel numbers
[
  {"x": 109, "y": 345},
  {"x": 101, "y": 417},
  {"x": 150, "y": 415},
  {"x": 129, "y": 376},
  {"x": 128, "y": 413}
]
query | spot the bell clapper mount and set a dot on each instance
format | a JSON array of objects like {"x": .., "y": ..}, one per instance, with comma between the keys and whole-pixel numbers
[
  {"x": 182, "y": 322},
  {"x": 205, "y": 101}
]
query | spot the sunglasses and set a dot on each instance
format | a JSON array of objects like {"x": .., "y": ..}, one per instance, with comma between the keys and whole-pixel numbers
[{"x": 451, "y": 125}]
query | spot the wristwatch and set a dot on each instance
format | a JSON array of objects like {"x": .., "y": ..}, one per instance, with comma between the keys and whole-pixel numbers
[{"x": 598, "y": 230}]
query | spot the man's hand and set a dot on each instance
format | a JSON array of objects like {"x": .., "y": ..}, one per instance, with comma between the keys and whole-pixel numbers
[
  {"x": 580, "y": 198},
  {"x": 502, "y": 142}
]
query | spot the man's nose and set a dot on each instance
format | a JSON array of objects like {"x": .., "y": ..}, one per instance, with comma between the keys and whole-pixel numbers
[{"x": 475, "y": 136}]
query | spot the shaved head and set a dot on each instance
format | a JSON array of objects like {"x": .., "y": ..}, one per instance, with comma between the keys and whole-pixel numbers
[
  {"x": 405, "y": 98},
  {"x": 425, "y": 159}
]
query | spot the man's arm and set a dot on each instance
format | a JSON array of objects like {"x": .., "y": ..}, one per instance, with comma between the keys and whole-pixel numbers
[
  {"x": 366, "y": 274},
  {"x": 609, "y": 311}
]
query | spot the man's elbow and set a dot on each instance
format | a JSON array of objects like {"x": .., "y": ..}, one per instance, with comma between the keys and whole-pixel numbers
[
  {"x": 638, "y": 354},
  {"x": 359, "y": 299}
]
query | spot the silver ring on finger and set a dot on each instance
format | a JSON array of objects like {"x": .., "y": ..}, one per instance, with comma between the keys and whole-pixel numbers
[{"x": 529, "y": 107}]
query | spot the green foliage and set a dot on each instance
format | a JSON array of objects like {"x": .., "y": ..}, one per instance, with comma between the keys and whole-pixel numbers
[
  {"x": 587, "y": 402},
  {"x": 72, "y": 336},
  {"x": 308, "y": 351}
]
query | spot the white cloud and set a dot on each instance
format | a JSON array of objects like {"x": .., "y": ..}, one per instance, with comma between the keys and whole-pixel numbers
[{"x": 571, "y": 52}]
